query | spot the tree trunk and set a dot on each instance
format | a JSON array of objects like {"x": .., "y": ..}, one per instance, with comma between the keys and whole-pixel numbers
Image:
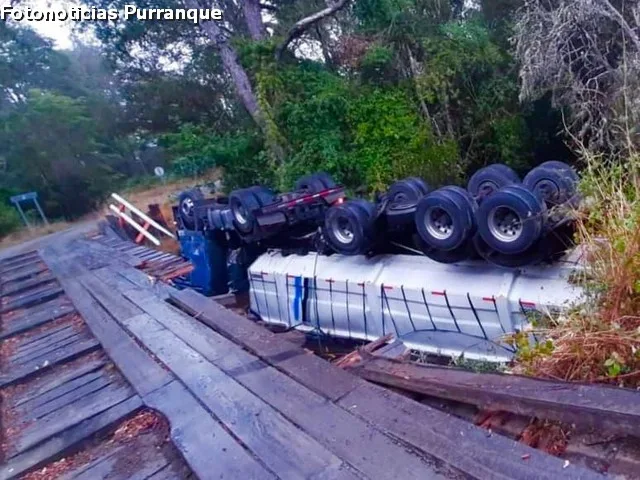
[
  {"x": 231, "y": 65},
  {"x": 253, "y": 17}
]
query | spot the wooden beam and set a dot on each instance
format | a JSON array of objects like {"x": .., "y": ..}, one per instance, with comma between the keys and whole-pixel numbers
[{"x": 597, "y": 406}]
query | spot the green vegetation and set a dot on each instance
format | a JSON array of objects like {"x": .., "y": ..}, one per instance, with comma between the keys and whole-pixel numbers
[{"x": 386, "y": 89}]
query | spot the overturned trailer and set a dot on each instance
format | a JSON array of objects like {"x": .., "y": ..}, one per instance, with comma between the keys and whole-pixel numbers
[{"x": 445, "y": 309}]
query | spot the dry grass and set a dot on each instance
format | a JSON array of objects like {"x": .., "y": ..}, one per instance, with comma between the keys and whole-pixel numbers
[{"x": 600, "y": 340}]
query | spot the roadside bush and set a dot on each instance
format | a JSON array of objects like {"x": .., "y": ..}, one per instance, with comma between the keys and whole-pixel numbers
[
  {"x": 9, "y": 220},
  {"x": 600, "y": 339}
]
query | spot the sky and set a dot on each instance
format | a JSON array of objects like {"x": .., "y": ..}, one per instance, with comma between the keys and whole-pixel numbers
[{"x": 58, "y": 32}]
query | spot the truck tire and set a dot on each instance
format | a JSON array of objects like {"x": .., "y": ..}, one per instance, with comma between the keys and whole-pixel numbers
[
  {"x": 315, "y": 183},
  {"x": 444, "y": 220},
  {"x": 511, "y": 220},
  {"x": 264, "y": 195},
  {"x": 348, "y": 228},
  {"x": 532, "y": 256},
  {"x": 186, "y": 204},
  {"x": 409, "y": 190},
  {"x": 467, "y": 197},
  {"x": 464, "y": 252},
  {"x": 243, "y": 204},
  {"x": 490, "y": 179},
  {"x": 553, "y": 185},
  {"x": 568, "y": 169}
]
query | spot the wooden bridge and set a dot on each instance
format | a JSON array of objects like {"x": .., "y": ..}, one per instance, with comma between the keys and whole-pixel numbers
[{"x": 108, "y": 373}]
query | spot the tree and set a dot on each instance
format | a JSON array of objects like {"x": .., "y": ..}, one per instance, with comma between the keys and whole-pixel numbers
[{"x": 587, "y": 54}]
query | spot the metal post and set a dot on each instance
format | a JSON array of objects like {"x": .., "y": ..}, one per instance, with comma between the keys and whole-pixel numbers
[
  {"x": 44, "y": 219},
  {"x": 24, "y": 217}
]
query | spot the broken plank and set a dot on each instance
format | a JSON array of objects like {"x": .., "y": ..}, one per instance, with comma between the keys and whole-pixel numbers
[
  {"x": 41, "y": 365},
  {"x": 207, "y": 448},
  {"x": 8, "y": 269},
  {"x": 68, "y": 440},
  {"x": 597, "y": 406}
]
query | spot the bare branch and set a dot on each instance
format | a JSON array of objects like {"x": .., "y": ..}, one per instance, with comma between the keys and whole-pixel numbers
[{"x": 302, "y": 25}]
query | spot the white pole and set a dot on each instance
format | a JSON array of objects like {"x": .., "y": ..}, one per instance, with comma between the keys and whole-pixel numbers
[
  {"x": 133, "y": 223},
  {"x": 142, "y": 215}
]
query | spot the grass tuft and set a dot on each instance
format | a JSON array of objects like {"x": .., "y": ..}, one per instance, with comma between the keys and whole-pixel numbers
[{"x": 598, "y": 341}]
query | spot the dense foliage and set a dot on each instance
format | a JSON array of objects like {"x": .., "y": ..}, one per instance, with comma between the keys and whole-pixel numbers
[{"x": 378, "y": 90}]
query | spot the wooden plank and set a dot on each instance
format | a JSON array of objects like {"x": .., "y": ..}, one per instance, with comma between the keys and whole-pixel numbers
[
  {"x": 63, "y": 389},
  {"x": 112, "y": 301},
  {"x": 50, "y": 383},
  {"x": 19, "y": 259},
  {"x": 28, "y": 321},
  {"x": 594, "y": 406},
  {"x": 366, "y": 449},
  {"x": 30, "y": 262},
  {"x": 32, "y": 299},
  {"x": 31, "y": 283},
  {"x": 456, "y": 442},
  {"x": 308, "y": 369},
  {"x": 258, "y": 426},
  {"x": 72, "y": 414},
  {"x": 59, "y": 356},
  {"x": 32, "y": 355},
  {"x": 135, "y": 364},
  {"x": 99, "y": 383},
  {"x": 47, "y": 338},
  {"x": 68, "y": 440},
  {"x": 207, "y": 448},
  {"x": 23, "y": 274}
]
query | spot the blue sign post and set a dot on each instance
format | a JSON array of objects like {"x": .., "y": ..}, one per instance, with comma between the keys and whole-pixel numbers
[{"x": 16, "y": 200}]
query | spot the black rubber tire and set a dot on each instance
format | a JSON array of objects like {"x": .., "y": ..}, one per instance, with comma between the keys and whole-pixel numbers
[
  {"x": 490, "y": 179},
  {"x": 357, "y": 221},
  {"x": 400, "y": 215},
  {"x": 553, "y": 185},
  {"x": 532, "y": 256},
  {"x": 571, "y": 173},
  {"x": 409, "y": 190},
  {"x": 243, "y": 204},
  {"x": 367, "y": 207},
  {"x": 458, "y": 211},
  {"x": 525, "y": 205},
  {"x": 466, "y": 251},
  {"x": 421, "y": 184},
  {"x": 186, "y": 201},
  {"x": 314, "y": 183},
  {"x": 264, "y": 195},
  {"x": 467, "y": 197}
]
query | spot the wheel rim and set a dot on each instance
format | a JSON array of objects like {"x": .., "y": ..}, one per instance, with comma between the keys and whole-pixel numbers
[
  {"x": 240, "y": 214},
  {"x": 187, "y": 207},
  {"x": 399, "y": 198},
  {"x": 342, "y": 231},
  {"x": 547, "y": 189},
  {"x": 505, "y": 224},
  {"x": 439, "y": 223},
  {"x": 487, "y": 187}
]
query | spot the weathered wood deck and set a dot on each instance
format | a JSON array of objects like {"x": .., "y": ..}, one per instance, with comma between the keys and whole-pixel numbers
[{"x": 241, "y": 402}]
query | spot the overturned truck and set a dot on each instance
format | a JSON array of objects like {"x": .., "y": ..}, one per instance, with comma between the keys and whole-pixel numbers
[{"x": 448, "y": 271}]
